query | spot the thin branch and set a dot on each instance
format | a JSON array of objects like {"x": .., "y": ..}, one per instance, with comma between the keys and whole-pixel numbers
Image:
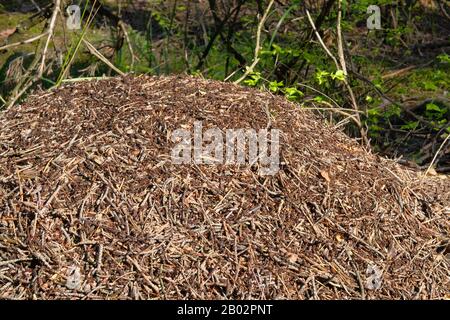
[
  {"x": 12, "y": 45},
  {"x": 96, "y": 53},
  {"x": 217, "y": 32},
  {"x": 258, "y": 45},
  {"x": 339, "y": 39},
  {"x": 122, "y": 25},
  {"x": 340, "y": 67},
  {"x": 444, "y": 11},
  {"x": 50, "y": 31},
  {"x": 344, "y": 69},
  {"x": 321, "y": 41},
  {"x": 437, "y": 152},
  {"x": 27, "y": 80}
]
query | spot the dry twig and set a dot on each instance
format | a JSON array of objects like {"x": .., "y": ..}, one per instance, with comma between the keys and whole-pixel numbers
[
  {"x": 50, "y": 30},
  {"x": 249, "y": 69}
]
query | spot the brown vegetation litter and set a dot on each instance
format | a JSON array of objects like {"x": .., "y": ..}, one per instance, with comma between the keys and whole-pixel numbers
[{"x": 91, "y": 205}]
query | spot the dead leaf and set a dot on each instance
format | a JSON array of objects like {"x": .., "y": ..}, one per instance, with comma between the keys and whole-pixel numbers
[
  {"x": 325, "y": 175},
  {"x": 432, "y": 172},
  {"x": 135, "y": 152},
  {"x": 339, "y": 237},
  {"x": 6, "y": 33},
  {"x": 293, "y": 258}
]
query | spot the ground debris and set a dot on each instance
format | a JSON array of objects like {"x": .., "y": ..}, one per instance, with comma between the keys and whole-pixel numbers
[{"x": 86, "y": 180}]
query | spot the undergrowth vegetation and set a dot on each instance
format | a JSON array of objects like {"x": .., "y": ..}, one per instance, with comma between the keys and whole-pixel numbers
[{"x": 388, "y": 87}]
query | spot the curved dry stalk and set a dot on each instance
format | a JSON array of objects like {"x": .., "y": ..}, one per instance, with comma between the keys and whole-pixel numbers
[
  {"x": 122, "y": 26},
  {"x": 319, "y": 38},
  {"x": 435, "y": 156},
  {"x": 96, "y": 53}
]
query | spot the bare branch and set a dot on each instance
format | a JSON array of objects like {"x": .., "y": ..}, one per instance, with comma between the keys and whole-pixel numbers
[
  {"x": 258, "y": 45},
  {"x": 50, "y": 31},
  {"x": 19, "y": 43},
  {"x": 96, "y": 53}
]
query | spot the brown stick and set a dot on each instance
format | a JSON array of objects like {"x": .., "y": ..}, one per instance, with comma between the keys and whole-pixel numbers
[
  {"x": 50, "y": 31},
  {"x": 340, "y": 67},
  {"x": 258, "y": 45},
  {"x": 12, "y": 45},
  {"x": 96, "y": 53},
  {"x": 122, "y": 26}
]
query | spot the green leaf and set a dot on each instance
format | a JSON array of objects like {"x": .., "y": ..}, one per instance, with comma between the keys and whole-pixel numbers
[
  {"x": 309, "y": 57},
  {"x": 321, "y": 77},
  {"x": 444, "y": 58},
  {"x": 369, "y": 99},
  {"x": 267, "y": 52},
  {"x": 434, "y": 107},
  {"x": 319, "y": 99},
  {"x": 375, "y": 128},
  {"x": 275, "y": 85},
  {"x": 373, "y": 112},
  {"x": 339, "y": 75},
  {"x": 293, "y": 93},
  {"x": 277, "y": 49},
  {"x": 393, "y": 110},
  {"x": 410, "y": 125},
  {"x": 254, "y": 79},
  {"x": 428, "y": 85}
]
